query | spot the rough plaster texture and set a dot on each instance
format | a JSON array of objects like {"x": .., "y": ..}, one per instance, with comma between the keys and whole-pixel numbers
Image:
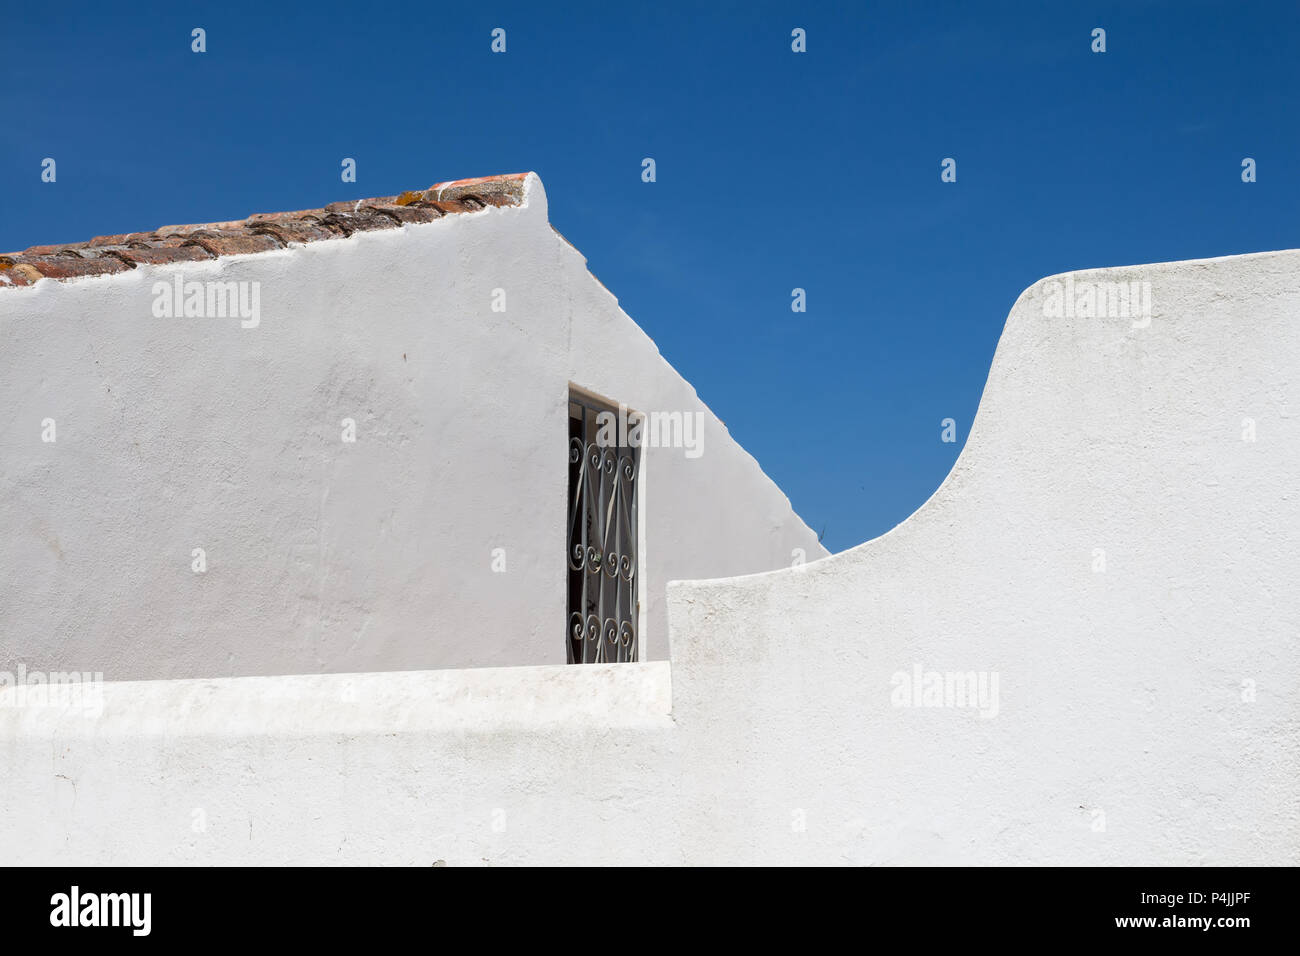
[
  {"x": 1121, "y": 692},
  {"x": 183, "y": 433}
]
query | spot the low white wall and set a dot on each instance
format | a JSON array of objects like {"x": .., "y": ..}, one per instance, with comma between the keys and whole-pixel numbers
[
  {"x": 1146, "y": 714},
  {"x": 471, "y": 767},
  {"x": 182, "y": 433}
]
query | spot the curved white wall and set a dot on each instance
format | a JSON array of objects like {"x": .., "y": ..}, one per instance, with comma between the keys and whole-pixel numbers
[
  {"x": 182, "y": 433},
  {"x": 1147, "y": 713}
]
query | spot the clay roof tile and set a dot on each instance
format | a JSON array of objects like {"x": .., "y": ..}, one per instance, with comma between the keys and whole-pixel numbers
[{"x": 261, "y": 232}]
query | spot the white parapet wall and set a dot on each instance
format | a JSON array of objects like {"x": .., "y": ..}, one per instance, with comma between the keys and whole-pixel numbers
[
  {"x": 468, "y": 767},
  {"x": 1111, "y": 565}
]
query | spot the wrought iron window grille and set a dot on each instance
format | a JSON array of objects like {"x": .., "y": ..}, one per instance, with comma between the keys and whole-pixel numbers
[{"x": 602, "y": 541}]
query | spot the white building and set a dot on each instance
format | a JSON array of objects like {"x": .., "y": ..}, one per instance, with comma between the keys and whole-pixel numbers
[
  {"x": 1081, "y": 649},
  {"x": 339, "y": 440}
]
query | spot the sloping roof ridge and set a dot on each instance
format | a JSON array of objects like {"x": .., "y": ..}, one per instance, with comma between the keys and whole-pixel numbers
[{"x": 261, "y": 232}]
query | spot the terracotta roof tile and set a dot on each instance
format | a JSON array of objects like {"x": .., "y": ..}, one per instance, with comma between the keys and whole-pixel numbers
[
  {"x": 17, "y": 274},
  {"x": 119, "y": 240},
  {"x": 58, "y": 249},
  {"x": 161, "y": 255},
  {"x": 233, "y": 242},
  {"x": 413, "y": 212},
  {"x": 466, "y": 204},
  {"x": 164, "y": 231},
  {"x": 367, "y": 220},
  {"x": 294, "y": 230},
  {"x": 67, "y": 267},
  {"x": 490, "y": 190},
  {"x": 261, "y": 232},
  {"x": 284, "y": 216},
  {"x": 347, "y": 207}
]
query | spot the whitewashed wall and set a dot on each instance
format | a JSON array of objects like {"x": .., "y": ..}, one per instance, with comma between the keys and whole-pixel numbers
[
  {"x": 175, "y": 434},
  {"x": 1147, "y": 713}
]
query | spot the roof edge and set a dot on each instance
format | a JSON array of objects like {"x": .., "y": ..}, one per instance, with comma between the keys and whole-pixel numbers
[{"x": 263, "y": 232}]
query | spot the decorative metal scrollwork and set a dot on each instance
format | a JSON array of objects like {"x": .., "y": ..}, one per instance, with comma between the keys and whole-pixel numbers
[{"x": 602, "y": 544}]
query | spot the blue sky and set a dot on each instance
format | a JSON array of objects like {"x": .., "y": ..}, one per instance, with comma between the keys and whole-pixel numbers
[{"x": 775, "y": 170}]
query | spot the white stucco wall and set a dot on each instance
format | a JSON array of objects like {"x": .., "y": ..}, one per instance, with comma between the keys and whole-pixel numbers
[
  {"x": 182, "y": 433},
  {"x": 1147, "y": 713}
]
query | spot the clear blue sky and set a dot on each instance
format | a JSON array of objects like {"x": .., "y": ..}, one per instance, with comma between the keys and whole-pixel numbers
[{"x": 775, "y": 170}]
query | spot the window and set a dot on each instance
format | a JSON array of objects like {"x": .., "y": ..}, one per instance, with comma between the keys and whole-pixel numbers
[{"x": 602, "y": 545}]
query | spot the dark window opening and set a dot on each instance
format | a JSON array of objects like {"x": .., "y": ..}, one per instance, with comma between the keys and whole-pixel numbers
[{"x": 602, "y": 546}]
